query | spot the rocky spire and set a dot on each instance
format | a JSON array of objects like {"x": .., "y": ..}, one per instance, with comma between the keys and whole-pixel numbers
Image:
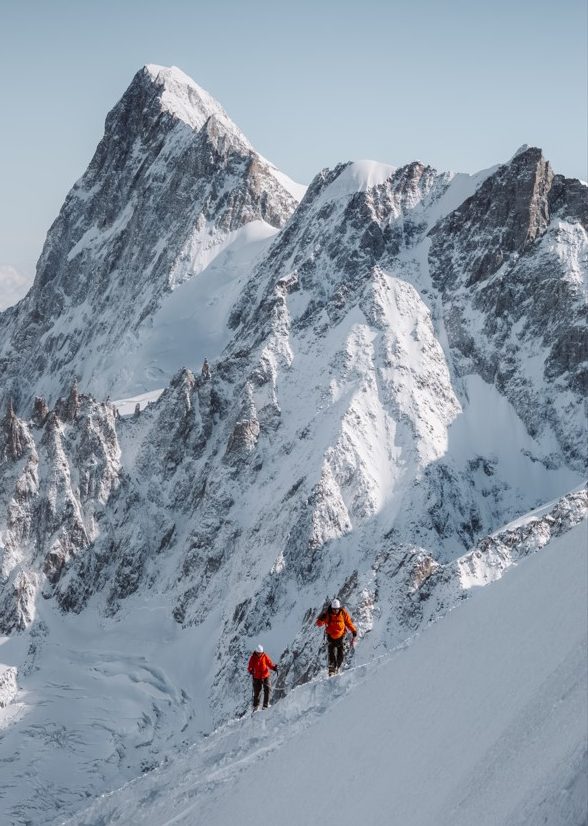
[
  {"x": 73, "y": 402},
  {"x": 13, "y": 435},
  {"x": 40, "y": 411}
]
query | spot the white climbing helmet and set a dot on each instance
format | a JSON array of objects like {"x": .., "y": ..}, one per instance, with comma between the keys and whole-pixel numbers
[
  {"x": 335, "y": 605},
  {"x": 259, "y": 649}
]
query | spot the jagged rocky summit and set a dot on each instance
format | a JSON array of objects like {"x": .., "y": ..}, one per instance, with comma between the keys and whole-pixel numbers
[
  {"x": 400, "y": 372},
  {"x": 172, "y": 182}
]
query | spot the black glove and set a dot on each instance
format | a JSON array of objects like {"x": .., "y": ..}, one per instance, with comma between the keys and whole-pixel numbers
[
  {"x": 354, "y": 634},
  {"x": 276, "y": 668}
]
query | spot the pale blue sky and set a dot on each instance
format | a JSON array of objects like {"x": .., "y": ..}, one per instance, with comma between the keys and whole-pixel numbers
[{"x": 459, "y": 84}]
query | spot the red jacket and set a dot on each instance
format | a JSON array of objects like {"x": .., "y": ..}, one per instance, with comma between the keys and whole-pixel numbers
[
  {"x": 259, "y": 666},
  {"x": 337, "y": 623}
]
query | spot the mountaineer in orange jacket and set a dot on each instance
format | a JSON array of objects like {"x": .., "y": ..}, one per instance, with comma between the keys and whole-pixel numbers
[
  {"x": 337, "y": 622},
  {"x": 259, "y": 667}
]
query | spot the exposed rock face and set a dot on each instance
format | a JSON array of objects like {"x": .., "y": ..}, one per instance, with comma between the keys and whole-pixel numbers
[
  {"x": 506, "y": 215},
  {"x": 328, "y": 422},
  {"x": 342, "y": 230},
  {"x": 511, "y": 263},
  {"x": 13, "y": 436},
  {"x": 170, "y": 180},
  {"x": 54, "y": 492}
]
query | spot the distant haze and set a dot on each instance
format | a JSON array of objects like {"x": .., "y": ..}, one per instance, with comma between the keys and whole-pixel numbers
[{"x": 459, "y": 85}]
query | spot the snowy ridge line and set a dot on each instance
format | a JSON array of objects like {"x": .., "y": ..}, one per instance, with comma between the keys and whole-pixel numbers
[
  {"x": 235, "y": 746},
  {"x": 391, "y": 381},
  {"x": 539, "y": 512},
  {"x": 518, "y": 722},
  {"x": 442, "y": 587},
  {"x": 241, "y": 741},
  {"x": 413, "y": 589},
  {"x": 239, "y": 746},
  {"x": 493, "y": 554}
]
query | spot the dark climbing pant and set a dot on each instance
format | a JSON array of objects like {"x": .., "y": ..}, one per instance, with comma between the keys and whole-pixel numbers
[
  {"x": 257, "y": 686},
  {"x": 336, "y": 653}
]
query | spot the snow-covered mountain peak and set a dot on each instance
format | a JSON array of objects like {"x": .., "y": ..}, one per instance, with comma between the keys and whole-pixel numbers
[
  {"x": 351, "y": 218},
  {"x": 172, "y": 185},
  {"x": 181, "y": 96},
  {"x": 368, "y": 181}
]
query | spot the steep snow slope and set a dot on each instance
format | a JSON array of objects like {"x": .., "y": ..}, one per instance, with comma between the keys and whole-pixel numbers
[
  {"x": 480, "y": 719},
  {"x": 88, "y": 701},
  {"x": 192, "y": 322}
]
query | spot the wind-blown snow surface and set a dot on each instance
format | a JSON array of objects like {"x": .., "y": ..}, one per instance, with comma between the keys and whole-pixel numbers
[{"x": 480, "y": 719}]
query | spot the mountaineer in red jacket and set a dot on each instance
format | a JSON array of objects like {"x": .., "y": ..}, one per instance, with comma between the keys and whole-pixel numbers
[
  {"x": 259, "y": 668},
  {"x": 337, "y": 622}
]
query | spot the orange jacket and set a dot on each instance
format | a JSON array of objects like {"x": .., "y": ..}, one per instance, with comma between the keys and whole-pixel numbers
[
  {"x": 336, "y": 622},
  {"x": 259, "y": 666}
]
